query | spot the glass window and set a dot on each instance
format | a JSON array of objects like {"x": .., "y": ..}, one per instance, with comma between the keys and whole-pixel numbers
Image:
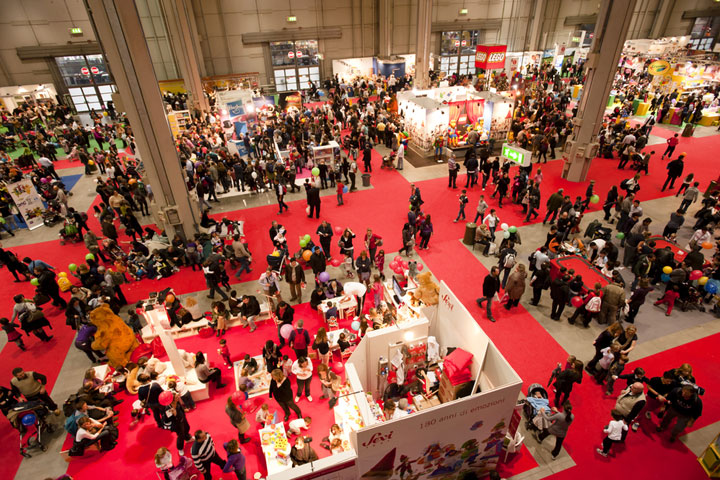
[
  {"x": 306, "y": 52},
  {"x": 450, "y": 43},
  {"x": 282, "y": 53},
  {"x": 457, "y": 51},
  {"x": 105, "y": 88},
  {"x": 300, "y": 56}
]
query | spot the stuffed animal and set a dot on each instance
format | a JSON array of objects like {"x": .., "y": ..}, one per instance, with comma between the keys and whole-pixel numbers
[
  {"x": 113, "y": 336},
  {"x": 427, "y": 291}
]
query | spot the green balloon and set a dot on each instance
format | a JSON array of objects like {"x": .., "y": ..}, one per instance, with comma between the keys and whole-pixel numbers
[
  {"x": 89, "y": 256},
  {"x": 72, "y": 267},
  {"x": 303, "y": 242},
  {"x": 315, "y": 171},
  {"x": 594, "y": 199},
  {"x": 35, "y": 282},
  {"x": 307, "y": 237},
  {"x": 620, "y": 235},
  {"x": 512, "y": 229}
]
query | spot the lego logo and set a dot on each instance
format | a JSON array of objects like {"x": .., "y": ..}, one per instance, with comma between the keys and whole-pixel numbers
[
  {"x": 496, "y": 57},
  {"x": 481, "y": 56}
]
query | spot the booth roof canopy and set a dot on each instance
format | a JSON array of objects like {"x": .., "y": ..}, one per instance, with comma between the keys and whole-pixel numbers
[{"x": 426, "y": 102}]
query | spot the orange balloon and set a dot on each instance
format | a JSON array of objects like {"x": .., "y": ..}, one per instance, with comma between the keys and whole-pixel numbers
[
  {"x": 306, "y": 255},
  {"x": 170, "y": 298},
  {"x": 707, "y": 245}
]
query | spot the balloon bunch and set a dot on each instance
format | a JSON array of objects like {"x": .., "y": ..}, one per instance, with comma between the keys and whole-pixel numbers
[{"x": 507, "y": 230}]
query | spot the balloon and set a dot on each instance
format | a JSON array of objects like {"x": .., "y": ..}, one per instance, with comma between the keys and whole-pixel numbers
[
  {"x": 29, "y": 419},
  {"x": 393, "y": 265},
  {"x": 594, "y": 199},
  {"x": 315, "y": 171},
  {"x": 306, "y": 255},
  {"x": 90, "y": 162},
  {"x": 170, "y": 298},
  {"x": 512, "y": 229},
  {"x": 238, "y": 397},
  {"x": 355, "y": 325},
  {"x": 620, "y": 235},
  {"x": 707, "y": 245},
  {"x": 665, "y": 277},
  {"x": 398, "y": 258},
  {"x": 89, "y": 256},
  {"x": 404, "y": 264},
  {"x": 711, "y": 287},
  {"x": 303, "y": 243},
  {"x": 34, "y": 282},
  {"x": 132, "y": 181},
  {"x": 72, "y": 267},
  {"x": 253, "y": 175},
  {"x": 504, "y": 226},
  {"x": 345, "y": 189},
  {"x": 44, "y": 180},
  {"x": 667, "y": 269},
  {"x": 576, "y": 301},
  {"x": 323, "y": 276},
  {"x": 335, "y": 262},
  {"x": 702, "y": 280},
  {"x": 398, "y": 270},
  {"x": 420, "y": 267},
  {"x": 695, "y": 274},
  {"x": 286, "y": 330},
  {"x": 62, "y": 274},
  {"x": 275, "y": 253},
  {"x": 338, "y": 230},
  {"x": 165, "y": 398},
  {"x": 307, "y": 237},
  {"x": 506, "y": 234},
  {"x": 338, "y": 367}
]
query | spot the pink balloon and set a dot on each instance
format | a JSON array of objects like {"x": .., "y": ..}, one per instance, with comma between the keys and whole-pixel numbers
[
  {"x": 420, "y": 267},
  {"x": 338, "y": 367},
  {"x": 166, "y": 398},
  {"x": 338, "y": 230},
  {"x": 286, "y": 330}
]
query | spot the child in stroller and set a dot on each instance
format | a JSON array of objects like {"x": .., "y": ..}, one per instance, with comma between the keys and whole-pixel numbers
[
  {"x": 537, "y": 398},
  {"x": 69, "y": 232},
  {"x": 388, "y": 161},
  {"x": 51, "y": 215},
  {"x": 276, "y": 260}
]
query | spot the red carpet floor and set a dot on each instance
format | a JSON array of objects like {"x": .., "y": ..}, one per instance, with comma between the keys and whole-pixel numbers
[{"x": 384, "y": 208}]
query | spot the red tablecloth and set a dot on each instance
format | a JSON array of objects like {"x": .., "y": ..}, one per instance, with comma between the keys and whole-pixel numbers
[
  {"x": 660, "y": 242},
  {"x": 590, "y": 275}
]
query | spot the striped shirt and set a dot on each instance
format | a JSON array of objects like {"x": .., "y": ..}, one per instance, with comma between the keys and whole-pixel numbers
[{"x": 203, "y": 452}]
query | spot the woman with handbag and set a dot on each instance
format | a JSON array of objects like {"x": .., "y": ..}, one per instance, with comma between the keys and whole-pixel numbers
[{"x": 238, "y": 419}]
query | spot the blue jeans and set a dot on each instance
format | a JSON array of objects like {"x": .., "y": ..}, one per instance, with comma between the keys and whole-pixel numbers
[{"x": 244, "y": 266}]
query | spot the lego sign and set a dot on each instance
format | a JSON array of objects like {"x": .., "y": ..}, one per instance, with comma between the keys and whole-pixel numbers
[{"x": 489, "y": 57}]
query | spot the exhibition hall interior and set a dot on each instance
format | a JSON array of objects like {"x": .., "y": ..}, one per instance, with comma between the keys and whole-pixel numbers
[{"x": 359, "y": 239}]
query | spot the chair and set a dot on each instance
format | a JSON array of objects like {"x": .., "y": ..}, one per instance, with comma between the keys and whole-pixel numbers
[{"x": 332, "y": 323}]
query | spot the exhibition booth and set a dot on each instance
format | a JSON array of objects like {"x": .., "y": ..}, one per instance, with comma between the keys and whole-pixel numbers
[
  {"x": 11, "y": 97},
  {"x": 349, "y": 69},
  {"x": 456, "y": 424},
  {"x": 454, "y": 112}
]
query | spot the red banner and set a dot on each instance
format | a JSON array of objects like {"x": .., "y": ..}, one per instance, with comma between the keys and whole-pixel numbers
[{"x": 490, "y": 57}]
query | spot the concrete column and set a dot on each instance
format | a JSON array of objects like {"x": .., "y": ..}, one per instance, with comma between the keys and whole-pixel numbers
[
  {"x": 611, "y": 30},
  {"x": 662, "y": 16},
  {"x": 422, "y": 50},
  {"x": 119, "y": 31},
  {"x": 384, "y": 30},
  {"x": 184, "y": 41},
  {"x": 536, "y": 25}
]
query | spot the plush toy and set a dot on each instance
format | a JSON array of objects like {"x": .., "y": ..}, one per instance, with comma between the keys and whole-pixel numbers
[
  {"x": 452, "y": 134},
  {"x": 113, "y": 336},
  {"x": 427, "y": 291}
]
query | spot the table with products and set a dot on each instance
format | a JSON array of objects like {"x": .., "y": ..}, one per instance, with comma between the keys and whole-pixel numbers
[
  {"x": 261, "y": 378},
  {"x": 347, "y": 415},
  {"x": 660, "y": 243},
  {"x": 590, "y": 274},
  {"x": 276, "y": 448},
  {"x": 346, "y": 306}
]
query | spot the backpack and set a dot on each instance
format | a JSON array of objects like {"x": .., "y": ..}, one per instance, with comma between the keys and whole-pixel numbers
[
  {"x": 593, "y": 305},
  {"x": 300, "y": 340},
  {"x": 509, "y": 261}
]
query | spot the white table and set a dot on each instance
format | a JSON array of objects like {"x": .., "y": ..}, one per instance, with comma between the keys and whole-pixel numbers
[
  {"x": 198, "y": 390},
  {"x": 275, "y": 463},
  {"x": 261, "y": 377},
  {"x": 343, "y": 304}
]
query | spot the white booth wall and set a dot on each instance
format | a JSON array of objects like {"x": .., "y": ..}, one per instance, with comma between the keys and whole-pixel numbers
[{"x": 15, "y": 95}]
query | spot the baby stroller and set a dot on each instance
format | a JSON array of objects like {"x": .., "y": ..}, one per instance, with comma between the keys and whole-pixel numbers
[
  {"x": 537, "y": 398},
  {"x": 184, "y": 470},
  {"x": 69, "y": 232},
  {"x": 692, "y": 301},
  {"x": 277, "y": 263},
  {"x": 51, "y": 215},
  {"x": 388, "y": 161},
  {"x": 603, "y": 233},
  {"x": 30, "y": 419}
]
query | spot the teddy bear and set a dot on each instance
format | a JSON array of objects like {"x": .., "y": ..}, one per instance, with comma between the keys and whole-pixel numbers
[
  {"x": 427, "y": 291},
  {"x": 113, "y": 336}
]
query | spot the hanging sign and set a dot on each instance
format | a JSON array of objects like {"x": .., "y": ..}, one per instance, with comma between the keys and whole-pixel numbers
[
  {"x": 489, "y": 57},
  {"x": 518, "y": 155},
  {"x": 659, "y": 67},
  {"x": 457, "y": 43}
]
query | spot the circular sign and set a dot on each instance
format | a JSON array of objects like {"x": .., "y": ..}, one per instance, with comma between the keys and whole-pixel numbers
[
  {"x": 457, "y": 43},
  {"x": 291, "y": 54},
  {"x": 659, "y": 67},
  {"x": 95, "y": 70},
  {"x": 85, "y": 71},
  {"x": 298, "y": 54},
  {"x": 464, "y": 43}
]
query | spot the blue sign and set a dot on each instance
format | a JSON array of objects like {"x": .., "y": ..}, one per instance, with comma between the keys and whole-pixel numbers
[{"x": 236, "y": 109}]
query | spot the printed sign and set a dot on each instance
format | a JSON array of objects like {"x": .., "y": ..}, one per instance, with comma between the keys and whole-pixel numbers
[
  {"x": 518, "y": 155},
  {"x": 235, "y": 109},
  {"x": 659, "y": 67},
  {"x": 291, "y": 54},
  {"x": 489, "y": 57},
  {"x": 28, "y": 202},
  {"x": 85, "y": 71},
  {"x": 95, "y": 70}
]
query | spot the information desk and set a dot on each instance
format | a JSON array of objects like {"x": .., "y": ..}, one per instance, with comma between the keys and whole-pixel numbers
[
  {"x": 261, "y": 378},
  {"x": 590, "y": 274},
  {"x": 276, "y": 448}
]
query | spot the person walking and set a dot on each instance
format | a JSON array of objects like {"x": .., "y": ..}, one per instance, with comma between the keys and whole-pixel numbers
[
  {"x": 565, "y": 380},
  {"x": 235, "y": 459},
  {"x": 204, "y": 454},
  {"x": 452, "y": 171},
  {"x": 559, "y": 425},
  {"x": 672, "y": 142},
  {"x": 691, "y": 195},
  {"x": 242, "y": 255},
  {"x": 295, "y": 277},
  {"x": 604, "y": 340},
  {"x": 426, "y": 231},
  {"x": 31, "y": 385},
  {"x": 302, "y": 368},
  {"x": 280, "y": 191},
  {"x": 553, "y": 206},
  {"x": 212, "y": 279},
  {"x": 462, "y": 200},
  {"x": 491, "y": 286},
  {"x": 540, "y": 281},
  {"x": 560, "y": 294},
  {"x": 325, "y": 232},
  {"x": 237, "y": 419},
  {"x": 313, "y": 200},
  {"x": 515, "y": 286},
  {"x": 281, "y": 390},
  {"x": 683, "y": 404},
  {"x": 507, "y": 260},
  {"x": 615, "y": 430},
  {"x": 482, "y": 206},
  {"x": 675, "y": 170},
  {"x": 637, "y": 299}
]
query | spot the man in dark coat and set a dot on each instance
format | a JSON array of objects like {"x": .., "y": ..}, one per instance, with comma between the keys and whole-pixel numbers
[
  {"x": 675, "y": 170},
  {"x": 313, "y": 199},
  {"x": 491, "y": 285},
  {"x": 560, "y": 294}
]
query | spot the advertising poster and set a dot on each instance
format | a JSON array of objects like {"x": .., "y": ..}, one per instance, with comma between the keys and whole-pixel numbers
[
  {"x": 490, "y": 57},
  {"x": 28, "y": 201},
  {"x": 438, "y": 443},
  {"x": 290, "y": 100}
]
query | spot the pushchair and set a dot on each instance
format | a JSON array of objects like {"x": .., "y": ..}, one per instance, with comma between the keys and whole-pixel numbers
[
  {"x": 388, "y": 161},
  {"x": 537, "y": 397},
  {"x": 184, "y": 470},
  {"x": 277, "y": 263},
  {"x": 51, "y": 215},
  {"x": 69, "y": 232},
  {"x": 692, "y": 301},
  {"x": 30, "y": 419}
]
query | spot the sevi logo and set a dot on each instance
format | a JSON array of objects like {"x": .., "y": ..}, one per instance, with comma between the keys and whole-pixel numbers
[{"x": 378, "y": 439}]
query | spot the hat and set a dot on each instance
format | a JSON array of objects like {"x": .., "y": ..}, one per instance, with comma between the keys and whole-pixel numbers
[{"x": 592, "y": 181}]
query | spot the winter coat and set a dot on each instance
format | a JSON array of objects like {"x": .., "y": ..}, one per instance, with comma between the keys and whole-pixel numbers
[{"x": 515, "y": 286}]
